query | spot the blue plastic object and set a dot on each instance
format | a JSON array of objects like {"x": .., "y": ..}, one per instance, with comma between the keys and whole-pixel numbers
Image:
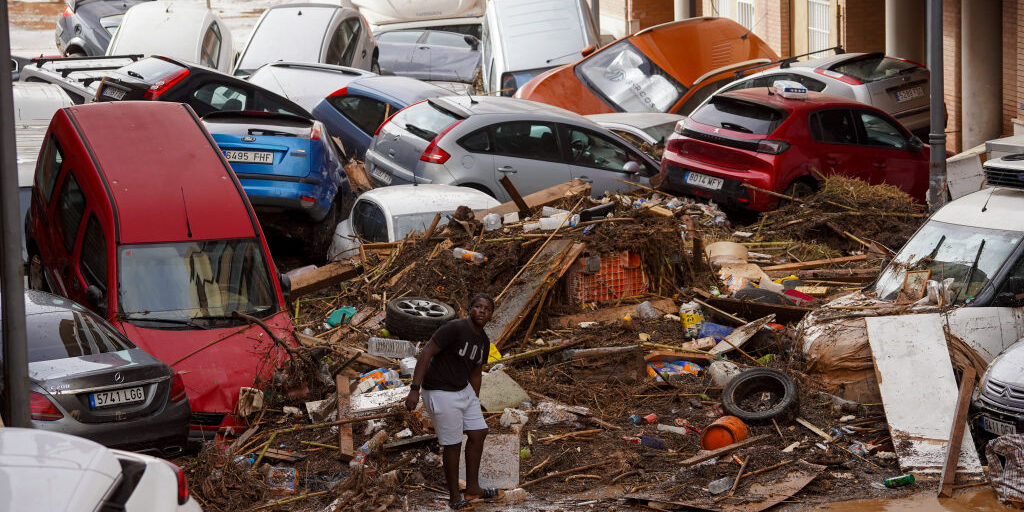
[
  {"x": 715, "y": 331},
  {"x": 340, "y": 316}
]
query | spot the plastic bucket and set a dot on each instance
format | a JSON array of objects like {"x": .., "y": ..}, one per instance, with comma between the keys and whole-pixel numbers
[{"x": 723, "y": 432}]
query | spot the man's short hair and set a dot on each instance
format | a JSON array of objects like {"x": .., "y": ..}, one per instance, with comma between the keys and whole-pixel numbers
[{"x": 484, "y": 296}]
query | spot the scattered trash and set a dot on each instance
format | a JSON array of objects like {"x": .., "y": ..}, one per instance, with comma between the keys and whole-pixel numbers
[
  {"x": 712, "y": 330},
  {"x": 1005, "y": 456},
  {"x": 692, "y": 317},
  {"x": 491, "y": 221},
  {"x": 722, "y": 372},
  {"x": 899, "y": 481},
  {"x": 723, "y": 432},
  {"x": 675, "y": 430},
  {"x": 282, "y": 479},
  {"x": 250, "y": 401},
  {"x": 759, "y": 395},
  {"x": 721, "y": 485},
  {"x": 470, "y": 256},
  {"x": 515, "y": 496},
  {"x": 340, "y": 316},
  {"x": 513, "y": 416},
  {"x": 364, "y": 451},
  {"x": 379, "y": 379},
  {"x": 397, "y": 349}
]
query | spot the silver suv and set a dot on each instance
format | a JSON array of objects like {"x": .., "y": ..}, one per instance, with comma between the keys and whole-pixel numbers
[{"x": 475, "y": 141}]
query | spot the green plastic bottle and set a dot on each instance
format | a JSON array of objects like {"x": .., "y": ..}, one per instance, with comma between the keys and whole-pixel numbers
[{"x": 899, "y": 481}]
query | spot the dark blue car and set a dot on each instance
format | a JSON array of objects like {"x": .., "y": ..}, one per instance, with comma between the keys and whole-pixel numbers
[
  {"x": 354, "y": 112},
  {"x": 291, "y": 171},
  {"x": 85, "y": 27}
]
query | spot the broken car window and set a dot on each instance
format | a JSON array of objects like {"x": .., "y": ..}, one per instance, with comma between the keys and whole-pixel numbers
[
  {"x": 624, "y": 76},
  {"x": 185, "y": 280},
  {"x": 949, "y": 251}
]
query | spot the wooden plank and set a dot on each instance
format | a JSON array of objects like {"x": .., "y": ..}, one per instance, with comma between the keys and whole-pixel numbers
[
  {"x": 395, "y": 278},
  {"x": 816, "y": 263},
  {"x": 433, "y": 225},
  {"x": 540, "y": 198},
  {"x": 356, "y": 173},
  {"x": 708, "y": 455},
  {"x": 327, "y": 275},
  {"x": 521, "y": 292},
  {"x": 810, "y": 426},
  {"x": 609, "y": 314},
  {"x": 915, "y": 380},
  {"x": 956, "y": 434},
  {"x": 853, "y": 275},
  {"x": 513, "y": 192},
  {"x": 346, "y": 446}
]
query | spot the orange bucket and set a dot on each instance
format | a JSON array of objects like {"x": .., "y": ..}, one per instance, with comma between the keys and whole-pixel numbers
[{"x": 723, "y": 432}]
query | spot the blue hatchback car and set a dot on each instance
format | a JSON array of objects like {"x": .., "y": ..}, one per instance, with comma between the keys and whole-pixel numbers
[
  {"x": 354, "y": 112},
  {"x": 291, "y": 171}
]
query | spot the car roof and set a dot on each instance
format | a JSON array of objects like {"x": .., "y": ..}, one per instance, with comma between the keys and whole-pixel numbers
[
  {"x": 476, "y": 105},
  {"x": 994, "y": 208},
  {"x": 162, "y": 27},
  {"x": 302, "y": 5},
  {"x": 765, "y": 96},
  {"x": 400, "y": 88},
  {"x": 181, "y": 174},
  {"x": 641, "y": 120},
  {"x": 828, "y": 60},
  {"x": 532, "y": 30},
  {"x": 427, "y": 198}
]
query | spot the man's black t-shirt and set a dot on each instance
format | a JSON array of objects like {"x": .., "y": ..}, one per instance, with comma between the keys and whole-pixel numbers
[{"x": 462, "y": 349}]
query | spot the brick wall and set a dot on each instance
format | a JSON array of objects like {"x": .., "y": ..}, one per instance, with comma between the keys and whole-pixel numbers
[
  {"x": 772, "y": 23},
  {"x": 649, "y": 13},
  {"x": 1013, "y": 63},
  {"x": 951, "y": 71},
  {"x": 862, "y": 26}
]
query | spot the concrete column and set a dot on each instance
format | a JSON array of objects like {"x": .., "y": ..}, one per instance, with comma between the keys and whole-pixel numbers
[
  {"x": 904, "y": 29},
  {"x": 981, "y": 64}
]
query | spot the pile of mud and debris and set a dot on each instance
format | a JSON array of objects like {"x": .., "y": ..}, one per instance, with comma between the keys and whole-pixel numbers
[{"x": 644, "y": 356}]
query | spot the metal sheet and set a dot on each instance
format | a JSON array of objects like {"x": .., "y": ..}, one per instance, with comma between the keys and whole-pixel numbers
[{"x": 919, "y": 392}]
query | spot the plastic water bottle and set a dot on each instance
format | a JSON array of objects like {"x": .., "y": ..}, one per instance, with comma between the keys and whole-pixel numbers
[
  {"x": 467, "y": 255},
  {"x": 359, "y": 457}
]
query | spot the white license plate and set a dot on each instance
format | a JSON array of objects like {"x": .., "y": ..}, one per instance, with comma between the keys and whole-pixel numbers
[
  {"x": 113, "y": 92},
  {"x": 909, "y": 93},
  {"x": 116, "y": 397},
  {"x": 381, "y": 175},
  {"x": 997, "y": 427},
  {"x": 249, "y": 157},
  {"x": 704, "y": 181}
]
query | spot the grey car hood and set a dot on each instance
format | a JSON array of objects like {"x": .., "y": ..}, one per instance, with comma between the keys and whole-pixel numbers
[{"x": 1009, "y": 366}]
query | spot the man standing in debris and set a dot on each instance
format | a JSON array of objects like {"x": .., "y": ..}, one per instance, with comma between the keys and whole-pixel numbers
[{"x": 449, "y": 370}]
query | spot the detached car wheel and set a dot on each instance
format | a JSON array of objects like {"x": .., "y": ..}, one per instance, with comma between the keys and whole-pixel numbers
[
  {"x": 416, "y": 318},
  {"x": 759, "y": 395}
]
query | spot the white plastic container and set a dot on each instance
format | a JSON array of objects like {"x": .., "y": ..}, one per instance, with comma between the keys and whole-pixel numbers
[
  {"x": 692, "y": 317},
  {"x": 548, "y": 211},
  {"x": 511, "y": 218},
  {"x": 406, "y": 366},
  {"x": 492, "y": 221},
  {"x": 722, "y": 372},
  {"x": 531, "y": 226}
]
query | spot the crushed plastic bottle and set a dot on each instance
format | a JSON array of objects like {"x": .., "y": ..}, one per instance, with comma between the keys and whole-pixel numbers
[
  {"x": 470, "y": 256},
  {"x": 721, "y": 485},
  {"x": 492, "y": 221},
  {"x": 359, "y": 457}
]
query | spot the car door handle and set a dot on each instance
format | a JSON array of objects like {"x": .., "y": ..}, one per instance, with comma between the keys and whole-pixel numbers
[
  {"x": 391, "y": 153},
  {"x": 364, "y": 53},
  {"x": 585, "y": 179},
  {"x": 508, "y": 169}
]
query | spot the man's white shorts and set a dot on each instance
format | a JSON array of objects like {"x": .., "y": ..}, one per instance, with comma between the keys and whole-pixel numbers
[{"x": 453, "y": 412}]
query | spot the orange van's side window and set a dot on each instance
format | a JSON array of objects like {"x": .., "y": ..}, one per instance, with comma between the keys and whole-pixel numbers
[{"x": 48, "y": 168}]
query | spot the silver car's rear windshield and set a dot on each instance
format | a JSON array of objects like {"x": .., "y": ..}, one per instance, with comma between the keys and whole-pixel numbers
[
  {"x": 873, "y": 69},
  {"x": 424, "y": 120},
  {"x": 949, "y": 251},
  {"x": 68, "y": 333},
  {"x": 739, "y": 116},
  {"x": 623, "y": 75},
  {"x": 189, "y": 280},
  {"x": 286, "y": 35}
]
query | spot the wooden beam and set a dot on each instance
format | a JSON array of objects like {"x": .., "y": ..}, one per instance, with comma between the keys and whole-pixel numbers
[
  {"x": 607, "y": 315},
  {"x": 956, "y": 434},
  {"x": 816, "y": 263},
  {"x": 433, "y": 225},
  {"x": 708, "y": 455},
  {"x": 524, "y": 209},
  {"x": 327, "y": 275},
  {"x": 346, "y": 446},
  {"x": 540, "y": 198}
]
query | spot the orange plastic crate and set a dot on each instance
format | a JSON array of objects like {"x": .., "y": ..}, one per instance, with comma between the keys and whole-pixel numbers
[{"x": 621, "y": 275}]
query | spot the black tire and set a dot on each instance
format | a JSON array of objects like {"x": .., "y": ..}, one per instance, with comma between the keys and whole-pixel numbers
[
  {"x": 416, "y": 318},
  {"x": 375, "y": 66},
  {"x": 323, "y": 234},
  {"x": 800, "y": 189},
  {"x": 781, "y": 402},
  {"x": 76, "y": 52}
]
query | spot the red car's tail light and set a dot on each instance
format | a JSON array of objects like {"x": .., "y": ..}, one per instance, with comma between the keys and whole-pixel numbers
[
  {"x": 316, "y": 132},
  {"x": 162, "y": 85},
  {"x": 67, "y": 12},
  {"x": 772, "y": 147},
  {"x": 340, "y": 92},
  {"x": 838, "y": 76},
  {"x": 680, "y": 126},
  {"x": 42, "y": 408},
  {"x": 182, "y": 483},
  {"x": 307, "y": 199},
  {"x": 177, "y": 388},
  {"x": 392, "y": 116},
  {"x": 434, "y": 154}
]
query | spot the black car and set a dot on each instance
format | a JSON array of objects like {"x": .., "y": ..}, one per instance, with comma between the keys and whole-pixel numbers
[
  {"x": 87, "y": 379},
  {"x": 85, "y": 27},
  {"x": 429, "y": 54},
  {"x": 205, "y": 90}
]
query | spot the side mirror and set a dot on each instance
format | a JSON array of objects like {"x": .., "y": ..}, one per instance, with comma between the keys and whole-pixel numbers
[
  {"x": 286, "y": 286},
  {"x": 631, "y": 167},
  {"x": 473, "y": 42},
  {"x": 95, "y": 298},
  {"x": 915, "y": 144},
  {"x": 588, "y": 50}
]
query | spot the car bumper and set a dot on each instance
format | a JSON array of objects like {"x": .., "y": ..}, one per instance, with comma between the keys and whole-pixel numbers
[
  {"x": 164, "y": 434},
  {"x": 278, "y": 196},
  {"x": 992, "y": 421},
  {"x": 732, "y": 192},
  {"x": 383, "y": 173}
]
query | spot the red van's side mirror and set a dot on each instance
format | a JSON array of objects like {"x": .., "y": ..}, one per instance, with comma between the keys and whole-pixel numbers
[{"x": 588, "y": 50}]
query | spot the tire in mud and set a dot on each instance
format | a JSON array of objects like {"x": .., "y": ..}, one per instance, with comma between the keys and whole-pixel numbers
[
  {"x": 759, "y": 395},
  {"x": 416, "y": 318}
]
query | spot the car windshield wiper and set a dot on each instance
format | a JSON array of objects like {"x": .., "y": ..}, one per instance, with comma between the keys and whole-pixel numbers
[
  {"x": 264, "y": 131},
  {"x": 134, "y": 74},
  {"x": 970, "y": 272},
  {"x": 735, "y": 127},
  {"x": 176, "y": 321},
  {"x": 420, "y": 132}
]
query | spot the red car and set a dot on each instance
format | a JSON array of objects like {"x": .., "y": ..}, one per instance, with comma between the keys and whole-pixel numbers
[
  {"x": 784, "y": 144},
  {"x": 136, "y": 214}
]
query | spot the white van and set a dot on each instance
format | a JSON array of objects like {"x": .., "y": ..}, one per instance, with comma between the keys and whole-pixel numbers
[
  {"x": 172, "y": 29},
  {"x": 523, "y": 38},
  {"x": 461, "y": 16}
]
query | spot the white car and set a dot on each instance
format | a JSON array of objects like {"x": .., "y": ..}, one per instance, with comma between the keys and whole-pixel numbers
[
  {"x": 462, "y": 16},
  {"x": 388, "y": 214},
  {"x": 654, "y": 128},
  {"x": 174, "y": 29},
  {"x": 63, "y": 473}
]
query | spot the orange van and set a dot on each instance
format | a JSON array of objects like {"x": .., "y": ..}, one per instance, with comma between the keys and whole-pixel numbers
[{"x": 671, "y": 67}]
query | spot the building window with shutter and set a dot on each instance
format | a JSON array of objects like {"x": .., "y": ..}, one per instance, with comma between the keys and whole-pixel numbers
[
  {"x": 745, "y": 13},
  {"x": 817, "y": 24}
]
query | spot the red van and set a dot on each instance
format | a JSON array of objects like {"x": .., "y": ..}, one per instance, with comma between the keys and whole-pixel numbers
[{"x": 136, "y": 213}]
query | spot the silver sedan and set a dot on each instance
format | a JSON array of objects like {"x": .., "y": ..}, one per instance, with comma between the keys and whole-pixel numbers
[{"x": 475, "y": 141}]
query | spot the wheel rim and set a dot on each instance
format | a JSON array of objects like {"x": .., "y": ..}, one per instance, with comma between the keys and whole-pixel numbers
[{"x": 423, "y": 308}]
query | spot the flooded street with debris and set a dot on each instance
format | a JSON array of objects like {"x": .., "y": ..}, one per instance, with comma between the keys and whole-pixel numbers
[{"x": 368, "y": 282}]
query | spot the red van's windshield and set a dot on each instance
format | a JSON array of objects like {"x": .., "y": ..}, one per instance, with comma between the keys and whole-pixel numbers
[{"x": 186, "y": 281}]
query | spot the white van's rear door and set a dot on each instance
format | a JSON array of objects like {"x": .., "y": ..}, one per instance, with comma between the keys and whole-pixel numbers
[{"x": 379, "y": 12}]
